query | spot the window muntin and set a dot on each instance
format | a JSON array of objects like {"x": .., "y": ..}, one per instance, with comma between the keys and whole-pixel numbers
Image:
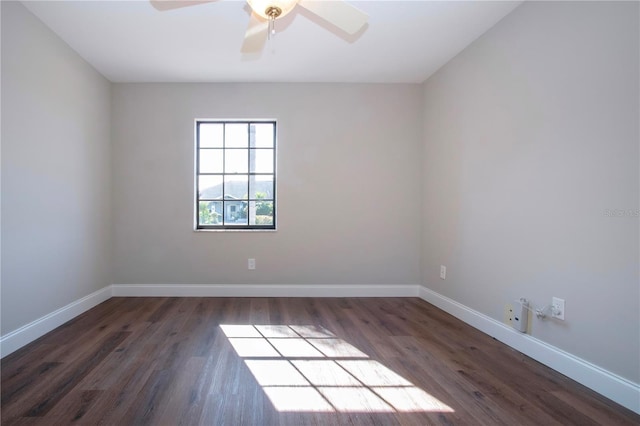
[{"x": 235, "y": 174}]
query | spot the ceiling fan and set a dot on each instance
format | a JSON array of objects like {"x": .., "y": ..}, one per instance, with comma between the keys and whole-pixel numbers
[{"x": 264, "y": 13}]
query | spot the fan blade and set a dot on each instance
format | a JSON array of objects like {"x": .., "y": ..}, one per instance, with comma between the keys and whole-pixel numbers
[
  {"x": 337, "y": 12},
  {"x": 256, "y": 35},
  {"x": 162, "y": 5}
]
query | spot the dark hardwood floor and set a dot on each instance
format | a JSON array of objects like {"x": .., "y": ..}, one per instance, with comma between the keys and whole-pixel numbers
[{"x": 210, "y": 361}]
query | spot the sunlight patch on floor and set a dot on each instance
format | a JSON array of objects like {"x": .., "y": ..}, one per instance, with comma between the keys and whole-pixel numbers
[
  {"x": 276, "y": 373},
  {"x": 276, "y": 331},
  {"x": 295, "y": 348},
  {"x": 372, "y": 373},
  {"x": 325, "y": 373},
  {"x": 297, "y": 399},
  {"x": 411, "y": 399},
  {"x": 252, "y": 348},
  {"x": 336, "y": 348},
  {"x": 233, "y": 330},
  {"x": 306, "y": 368},
  {"x": 355, "y": 399}
]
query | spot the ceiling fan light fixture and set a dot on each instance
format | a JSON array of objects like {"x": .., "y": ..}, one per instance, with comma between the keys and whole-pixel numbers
[
  {"x": 273, "y": 12},
  {"x": 272, "y": 9}
]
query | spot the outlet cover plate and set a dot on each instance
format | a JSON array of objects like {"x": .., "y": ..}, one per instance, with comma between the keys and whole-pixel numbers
[
  {"x": 507, "y": 315},
  {"x": 557, "y": 310}
]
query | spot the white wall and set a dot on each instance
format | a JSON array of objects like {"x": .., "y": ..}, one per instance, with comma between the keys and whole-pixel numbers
[
  {"x": 349, "y": 185},
  {"x": 56, "y": 191},
  {"x": 530, "y": 136}
]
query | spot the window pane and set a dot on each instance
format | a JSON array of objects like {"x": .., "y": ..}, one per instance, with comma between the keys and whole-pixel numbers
[
  {"x": 236, "y": 135},
  {"x": 260, "y": 212},
  {"x": 210, "y": 213},
  {"x": 235, "y": 174},
  {"x": 211, "y": 135},
  {"x": 210, "y": 187},
  {"x": 261, "y": 160},
  {"x": 236, "y": 161},
  {"x": 235, "y": 212},
  {"x": 262, "y": 135},
  {"x": 211, "y": 160},
  {"x": 236, "y": 187},
  {"x": 261, "y": 187}
]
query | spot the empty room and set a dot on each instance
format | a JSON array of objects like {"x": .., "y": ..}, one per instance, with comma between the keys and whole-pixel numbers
[{"x": 339, "y": 212}]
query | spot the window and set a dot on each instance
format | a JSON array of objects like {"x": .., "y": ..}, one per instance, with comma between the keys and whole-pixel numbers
[{"x": 235, "y": 174}]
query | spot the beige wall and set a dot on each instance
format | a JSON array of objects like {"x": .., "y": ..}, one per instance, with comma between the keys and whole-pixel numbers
[
  {"x": 56, "y": 190},
  {"x": 530, "y": 136},
  {"x": 348, "y": 185}
]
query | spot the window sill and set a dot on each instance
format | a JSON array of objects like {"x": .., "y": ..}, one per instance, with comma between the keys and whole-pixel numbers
[{"x": 234, "y": 230}]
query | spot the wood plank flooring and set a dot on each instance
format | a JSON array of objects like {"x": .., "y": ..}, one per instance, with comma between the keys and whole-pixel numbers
[{"x": 269, "y": 361}]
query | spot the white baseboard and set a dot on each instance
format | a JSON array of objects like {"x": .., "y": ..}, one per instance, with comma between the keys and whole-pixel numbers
[
  {"x": 26, "y": 334},
  {"x": 259, "y": 290},
  {"x": 614, "y": 387}
]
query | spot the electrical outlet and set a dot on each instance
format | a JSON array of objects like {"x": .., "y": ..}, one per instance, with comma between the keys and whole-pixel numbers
[
  {"x": 507, "y": 315},
  {"x": 443, "y": 272},
  {"x": 251, "y": 264},
  {"x": 557, "y": 308}
]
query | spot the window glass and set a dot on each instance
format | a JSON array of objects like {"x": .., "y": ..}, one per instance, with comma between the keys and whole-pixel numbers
[{"x": 235, "y": 174}]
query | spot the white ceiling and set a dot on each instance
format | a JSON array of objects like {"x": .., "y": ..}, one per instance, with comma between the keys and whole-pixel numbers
[{"x": 131, "y": 41}]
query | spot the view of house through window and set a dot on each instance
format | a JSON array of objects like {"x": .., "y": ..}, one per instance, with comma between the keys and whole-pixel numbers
[{"x": 235, "y": 174}]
